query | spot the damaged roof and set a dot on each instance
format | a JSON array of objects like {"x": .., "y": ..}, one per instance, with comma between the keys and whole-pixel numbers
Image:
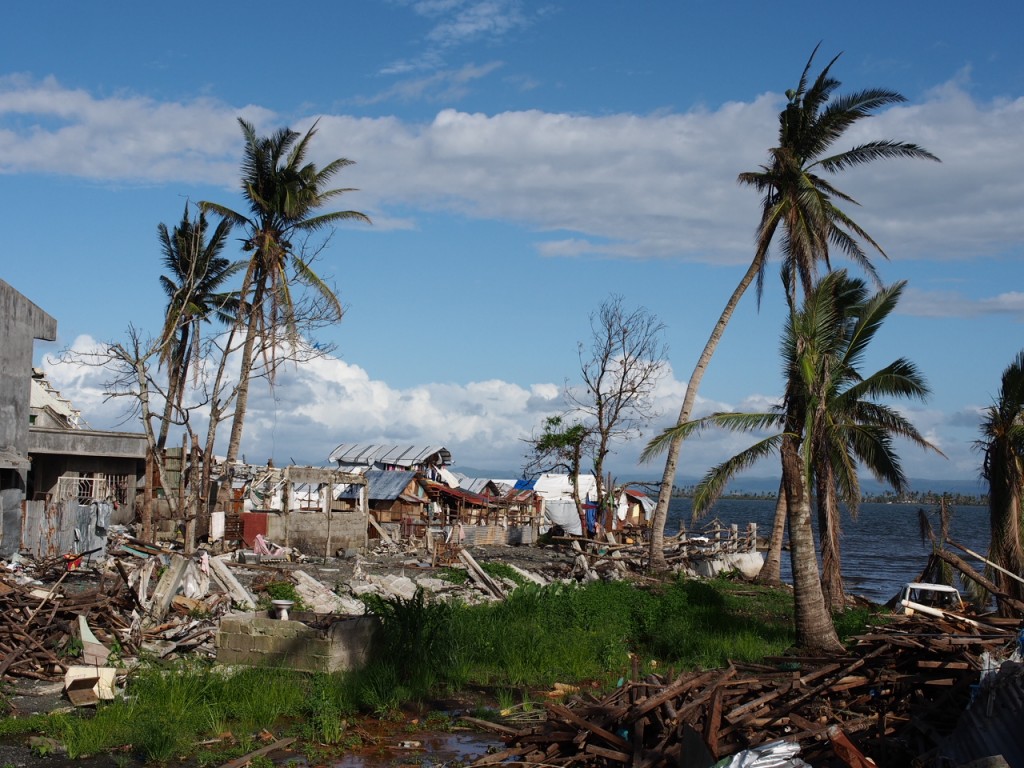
[
  {"x": 368, "y": 455},
  {"x": 382, "y": 485}
]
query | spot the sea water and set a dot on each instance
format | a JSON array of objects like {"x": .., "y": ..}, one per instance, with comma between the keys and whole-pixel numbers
[{"x": 881, "y": 549}]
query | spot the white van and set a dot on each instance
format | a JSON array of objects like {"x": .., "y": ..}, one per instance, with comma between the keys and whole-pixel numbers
[{"x": 932, "y": 599}]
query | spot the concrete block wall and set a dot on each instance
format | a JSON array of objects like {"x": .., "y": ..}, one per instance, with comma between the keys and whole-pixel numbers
[
  {"x": 308, "y": 530},
  {"x": 489, "y": 535},
  {"x": 255, "y": 639}
]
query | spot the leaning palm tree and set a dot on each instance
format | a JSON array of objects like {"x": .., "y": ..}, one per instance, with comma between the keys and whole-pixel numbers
[
  {"x": 1002, "y": 445},
  {"x": 196, "y": 273},
  {"x": 284, "y": 194},
  {"x": 797, "y": 196},
  {"x": 828, "y": 424}
]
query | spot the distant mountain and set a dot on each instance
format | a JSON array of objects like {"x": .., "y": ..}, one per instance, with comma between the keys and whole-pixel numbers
[
  {"x": 490, "y": 474},
  {"x": 758, "y": 485}
]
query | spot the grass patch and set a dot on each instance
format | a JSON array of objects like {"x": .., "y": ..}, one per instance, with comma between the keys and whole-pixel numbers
[
  {"x": 504, "y": 571},
  {"x": 538, "y": 636},
  {"x": 457, "y": 576}
]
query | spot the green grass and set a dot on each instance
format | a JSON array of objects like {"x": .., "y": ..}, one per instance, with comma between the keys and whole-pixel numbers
[
  {"x": 536, "y": 637},
  {"x": 565, "y": 633},
  {"x": 504, "y": 571}
]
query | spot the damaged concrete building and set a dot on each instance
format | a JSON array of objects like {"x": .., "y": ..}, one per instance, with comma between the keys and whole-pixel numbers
[{"x": 61, "y": 483}]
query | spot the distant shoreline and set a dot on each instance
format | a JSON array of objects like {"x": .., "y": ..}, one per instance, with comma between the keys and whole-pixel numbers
[{"x": 925, "y": 499}]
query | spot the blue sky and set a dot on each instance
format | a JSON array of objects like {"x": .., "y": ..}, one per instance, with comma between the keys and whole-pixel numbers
[{"x": 521, "y": 162}]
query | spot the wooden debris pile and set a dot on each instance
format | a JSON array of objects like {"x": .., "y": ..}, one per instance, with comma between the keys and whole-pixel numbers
[
  {"x": 41, "y": 624},
  {"x": 613, "y": 554},
  {"x": 891, "y": 697},
  {"x": 125, "y": 607}
]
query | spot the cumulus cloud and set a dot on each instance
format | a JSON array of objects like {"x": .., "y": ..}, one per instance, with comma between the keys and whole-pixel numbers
[
  {"x": 50, "y": 129},
  {"x": 315, "y": 406},
  {"x": 613, "y": 186},
  {"x": 923, "y": 303}
]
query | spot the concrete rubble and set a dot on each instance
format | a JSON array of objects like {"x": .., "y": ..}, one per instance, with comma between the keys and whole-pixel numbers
[
  {"x": 103, "y": 611},
  {"x": 83, "y": 625}
]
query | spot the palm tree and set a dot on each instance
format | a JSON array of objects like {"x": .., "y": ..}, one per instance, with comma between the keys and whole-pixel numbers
[
  {"x": 829, "y": 424},
  {"x": 284, "y": 194},
  {"x": 797, "y": 196},
  {"x": 848, "y": 427},
  {"x": 1002, "y": 444},
  {"x": 195, "y": 274}
]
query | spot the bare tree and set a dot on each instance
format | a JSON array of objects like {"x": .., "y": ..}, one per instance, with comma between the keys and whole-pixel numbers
[
  {"x": 619, "y": 371},
  {"x": 130, "y": 364}
]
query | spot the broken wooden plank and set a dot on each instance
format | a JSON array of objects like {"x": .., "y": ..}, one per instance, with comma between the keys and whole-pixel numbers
[
  {"x": 246, "y": 759},
  {"x": 481, "y": 576},
  {"x": 239, "y": 594}
]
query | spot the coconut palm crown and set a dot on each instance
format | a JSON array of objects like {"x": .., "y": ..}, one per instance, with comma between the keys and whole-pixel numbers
[
  {"x": 796, "y": 194},
  {"x": 797, "y": 198},
  {"x": 1002, "y": 446},
  {"x": 284, "y": 194}
]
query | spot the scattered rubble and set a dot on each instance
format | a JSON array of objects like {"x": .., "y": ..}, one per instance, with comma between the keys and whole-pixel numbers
[
  {"x": 892, "y": 698},
  {"x": 94, "y": 610}
]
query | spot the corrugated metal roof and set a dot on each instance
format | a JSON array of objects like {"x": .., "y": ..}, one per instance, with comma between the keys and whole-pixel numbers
[
  {"x": 991, "y": 724},
  {"x": 459, "y": 493},
  {"x": 382, "y": 485},
  {"x": 474, "y": 484},
  {"x": 368, "y": 454}
]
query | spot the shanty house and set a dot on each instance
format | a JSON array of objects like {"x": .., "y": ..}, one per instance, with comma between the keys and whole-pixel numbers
[
  {"x": 556, "y": 490},
  {"x": 392, "y": 495},
  {"x": 633, "y": 509}
]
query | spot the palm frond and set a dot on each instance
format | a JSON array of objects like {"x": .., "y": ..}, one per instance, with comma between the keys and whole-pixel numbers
[
  {"x": 714, "y": 482},
  {"x": 735, "y": 422}
]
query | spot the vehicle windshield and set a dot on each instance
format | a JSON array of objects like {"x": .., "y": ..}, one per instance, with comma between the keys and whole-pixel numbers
[{"x": 935, "y": 598}]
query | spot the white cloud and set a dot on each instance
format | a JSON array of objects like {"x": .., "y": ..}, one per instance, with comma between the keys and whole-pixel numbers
[
  {"x": 319, "y": 404},
  {"x": 627, "y": 186},
  {"x": 462, "y": 21},
  {"x": 325, "y": 402},
  {"x": 442, "y": 85},
  {"x": 953, "y": 304}
]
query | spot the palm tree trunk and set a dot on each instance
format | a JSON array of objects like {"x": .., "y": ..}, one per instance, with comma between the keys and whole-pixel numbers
[
  {"x": 242, "y": 396},
  {"x": 828, "y": 538},
  {"x": 668, "y": 478},
  {"x": 1005, "y": 524},
  {"x": 245, "y": 366},
  {"x": 176, "y": 375},
  {"x": 813, "y": 623},
  {"x": 771, "y": 571}
]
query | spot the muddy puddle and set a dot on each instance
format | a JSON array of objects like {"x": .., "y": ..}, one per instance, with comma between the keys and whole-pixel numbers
[
  {"x": 428, "y": 750},
  {"x": 425, "y": 750}
]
